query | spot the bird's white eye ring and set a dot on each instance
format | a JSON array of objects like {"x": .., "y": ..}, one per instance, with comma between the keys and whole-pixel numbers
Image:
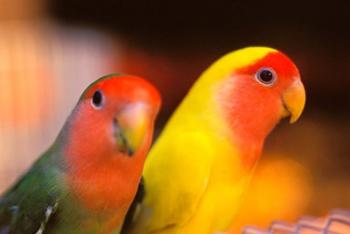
[
  {"x": 97, "y": 99},
  {"x": 266, "y": 76}
]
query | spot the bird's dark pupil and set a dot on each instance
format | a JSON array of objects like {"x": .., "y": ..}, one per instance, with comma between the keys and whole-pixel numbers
[
  {"x": 266, "y": 76},
  {"x": 97, "y": 98}
]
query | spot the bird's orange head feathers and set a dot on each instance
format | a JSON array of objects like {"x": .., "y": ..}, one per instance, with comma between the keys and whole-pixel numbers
[
  {"x": 263, "y": 92},
  {"x": 254, "y": 89},
  {"x": 107, "y": 139}
]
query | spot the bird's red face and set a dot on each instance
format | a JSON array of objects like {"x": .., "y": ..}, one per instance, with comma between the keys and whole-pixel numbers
[
  {"x": 115, "y": 117},
  {"x": 108, "y": 138},
  {"x": 124, "y": 107},
  {"x": 257, "y": 96}
]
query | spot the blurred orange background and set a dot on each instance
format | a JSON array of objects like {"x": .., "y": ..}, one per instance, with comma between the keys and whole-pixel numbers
[{"x": 51, "y": 49}]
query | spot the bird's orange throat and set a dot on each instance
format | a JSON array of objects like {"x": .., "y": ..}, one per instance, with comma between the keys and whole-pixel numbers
[
  {"x": 102, "y": 180},
  {"x": 249, "y": 121},
  {"x": 104, "y": 185},
  {"x": 104, "y": 188}
]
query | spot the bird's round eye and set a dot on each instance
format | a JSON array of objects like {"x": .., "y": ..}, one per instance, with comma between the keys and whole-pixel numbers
[
  {"x": 266, "y": 76},
  {"x": 97, "y": 99}
]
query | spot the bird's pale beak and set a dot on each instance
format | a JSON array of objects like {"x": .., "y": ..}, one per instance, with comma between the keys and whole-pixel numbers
[
  {"x": 294, "y": 101},
  {"x": 130, "y": 128}
]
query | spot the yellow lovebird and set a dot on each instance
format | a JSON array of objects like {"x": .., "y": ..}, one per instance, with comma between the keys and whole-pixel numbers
[{"x": 201, "y": 164}]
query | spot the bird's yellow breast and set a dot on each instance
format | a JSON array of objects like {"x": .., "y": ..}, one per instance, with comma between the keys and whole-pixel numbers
[{"x": 197, "y": 181}]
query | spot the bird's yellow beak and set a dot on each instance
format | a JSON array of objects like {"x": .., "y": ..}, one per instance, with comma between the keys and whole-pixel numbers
[
  {"x": 130, "y": 128},
  {"x": 294, "y": 101}
]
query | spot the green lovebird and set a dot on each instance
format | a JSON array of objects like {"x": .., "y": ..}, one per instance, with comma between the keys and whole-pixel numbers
[{"x": 86, "y": 181}]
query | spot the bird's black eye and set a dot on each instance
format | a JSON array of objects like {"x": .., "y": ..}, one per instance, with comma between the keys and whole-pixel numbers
[
  {"x": 266, "y": 76},
  {"x": 97, "y": 99}
]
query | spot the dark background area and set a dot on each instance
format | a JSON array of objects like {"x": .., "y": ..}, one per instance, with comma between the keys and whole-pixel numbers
[{"x": 314, "y": 33}]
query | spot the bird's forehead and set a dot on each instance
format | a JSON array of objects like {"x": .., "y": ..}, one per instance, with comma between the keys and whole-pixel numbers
[
  {"x": 249, "y": 60},
  {"x": 124, "y": 87},
  {"x": 276, "y": 60}
]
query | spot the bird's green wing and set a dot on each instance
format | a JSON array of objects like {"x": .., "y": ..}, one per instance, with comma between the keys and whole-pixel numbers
[{"x": 32, "y": 201}]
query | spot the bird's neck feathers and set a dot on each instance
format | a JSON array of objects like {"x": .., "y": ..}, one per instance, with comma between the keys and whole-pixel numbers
[
  {"x": 96, "y": 172},
  {"x": 229, "y": 116}
]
